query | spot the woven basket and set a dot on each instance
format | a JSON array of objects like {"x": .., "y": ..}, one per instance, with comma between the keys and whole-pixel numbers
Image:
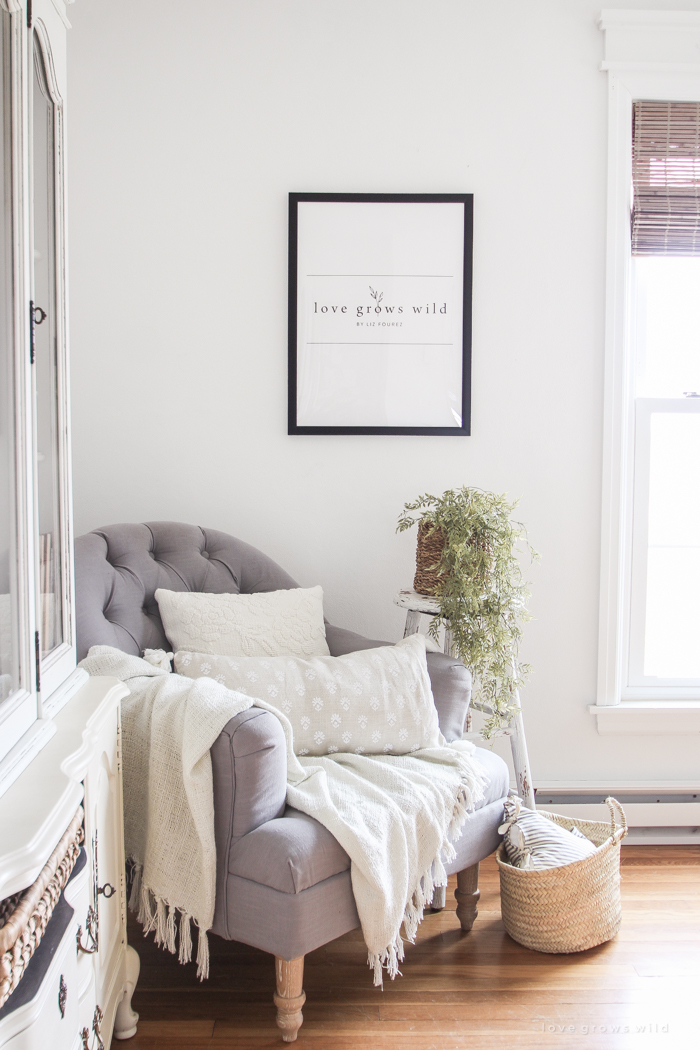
[
  {"x": 573, "y": 907},
  {"x": 431, "y": 541},
  {"x": 25, "y": 916}
]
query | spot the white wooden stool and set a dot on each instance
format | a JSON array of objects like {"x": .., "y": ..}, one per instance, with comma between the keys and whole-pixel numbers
[{"x": 417, "y": 605}]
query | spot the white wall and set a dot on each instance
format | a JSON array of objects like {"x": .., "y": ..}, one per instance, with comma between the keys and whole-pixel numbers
[{"x": 188, "y": 125}]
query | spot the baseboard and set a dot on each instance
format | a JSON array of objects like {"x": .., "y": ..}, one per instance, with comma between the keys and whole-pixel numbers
[
  {"x": 662, "y": 837},
  {"x": 667, "y": 815}
]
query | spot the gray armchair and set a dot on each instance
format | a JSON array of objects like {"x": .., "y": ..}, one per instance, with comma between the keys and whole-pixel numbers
[{"x": 283, "y": 882}]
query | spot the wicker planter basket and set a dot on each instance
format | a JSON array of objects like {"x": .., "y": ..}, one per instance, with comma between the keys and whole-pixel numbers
[
  {"x": 570, "y": 908},
  {"x": 24, "y": 916},
  {"x": 431, "y": 540}
]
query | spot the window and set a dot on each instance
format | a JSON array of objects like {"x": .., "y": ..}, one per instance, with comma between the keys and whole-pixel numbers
[
  {"x": 664, "y": 634},
  {"x": 649, "y": 642}
]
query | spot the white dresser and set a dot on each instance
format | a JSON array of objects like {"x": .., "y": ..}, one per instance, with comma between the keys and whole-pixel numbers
[{"x": 76, "y": 991}]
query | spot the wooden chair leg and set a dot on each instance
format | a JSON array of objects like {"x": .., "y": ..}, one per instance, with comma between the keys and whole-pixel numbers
[
  {"x": 289, "y": 997},
  {"x": 467, "y": 896}
]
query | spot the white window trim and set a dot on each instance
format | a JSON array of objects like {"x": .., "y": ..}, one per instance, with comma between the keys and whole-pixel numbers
[{"x": 649, "y": 55}]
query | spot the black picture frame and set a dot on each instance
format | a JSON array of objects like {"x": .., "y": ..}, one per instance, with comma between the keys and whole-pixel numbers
[{"x": 462, "y": 415}]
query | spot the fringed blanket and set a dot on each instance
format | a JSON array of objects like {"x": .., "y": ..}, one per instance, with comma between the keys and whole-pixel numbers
[{"x": 393, "y": 815}]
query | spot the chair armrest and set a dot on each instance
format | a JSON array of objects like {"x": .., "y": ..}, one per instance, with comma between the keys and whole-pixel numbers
[
  {"x": 249, "y": 769},
  {"x": 452, "y": 690},
  {"x": 450, "y": 680}
]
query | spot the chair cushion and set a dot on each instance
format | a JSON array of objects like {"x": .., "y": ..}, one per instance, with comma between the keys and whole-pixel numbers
[
  {"x": 289, "y": 854},
  {"x": 497, "y": 773},
  {"x": 295, "y": 852}
]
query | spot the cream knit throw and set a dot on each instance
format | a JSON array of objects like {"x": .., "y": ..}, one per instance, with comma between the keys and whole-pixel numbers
[{"x": 391, "y": 814}]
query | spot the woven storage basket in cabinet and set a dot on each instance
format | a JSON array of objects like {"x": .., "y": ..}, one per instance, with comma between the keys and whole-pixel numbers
[
  {"x": 25, "y": 916},
  {"x": 572, "y": 907}
]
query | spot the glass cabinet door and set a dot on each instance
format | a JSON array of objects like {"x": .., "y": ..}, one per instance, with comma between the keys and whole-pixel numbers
[
  {"x": 37, "y": 646},
  {"x": 9, "y": 642},
  {"x": 46, "y": 334}
]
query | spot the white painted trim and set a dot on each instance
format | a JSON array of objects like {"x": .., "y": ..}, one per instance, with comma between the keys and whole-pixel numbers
[
  {"x": 60, "y": 697},
  {"x": 61, "y": 12},
  {"x": 638, "y": 814},
  {"x": 650, "y": 67},
  {"x": 663, "y": 692},
  {"x": 13, "y": 7},
  {"x": 612, "y": 18},
  {"x": 662, "y": 837},
  {"x": 669, "y": 717},
  {"x": 612, "y": 787},
  {"x": 617, "y": 412},
  {"x": 24, "y": 752}
]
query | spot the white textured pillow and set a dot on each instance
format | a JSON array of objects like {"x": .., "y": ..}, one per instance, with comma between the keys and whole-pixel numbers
[
  {"x": 274, "y": 623},
  {"x": 377, "y": 701}
]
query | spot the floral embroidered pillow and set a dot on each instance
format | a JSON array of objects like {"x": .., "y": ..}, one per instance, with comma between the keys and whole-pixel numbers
[
  {"x": 377, "y": 701},
  {"x": 269, "y": 623}
]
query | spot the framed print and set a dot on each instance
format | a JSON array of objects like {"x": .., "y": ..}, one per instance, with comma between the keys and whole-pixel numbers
[{"x": 380, "y": 313}]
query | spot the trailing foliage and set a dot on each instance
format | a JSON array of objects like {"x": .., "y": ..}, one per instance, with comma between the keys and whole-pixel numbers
[{"x": 481, "y": 589}]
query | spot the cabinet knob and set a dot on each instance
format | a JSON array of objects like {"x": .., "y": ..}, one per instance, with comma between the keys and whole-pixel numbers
[
  {"x": 107, "y": 890},
  {"x": 92, "y": 929},
  {"x": 96, "y": 1025},
  {"x": 62, "y": 995}
]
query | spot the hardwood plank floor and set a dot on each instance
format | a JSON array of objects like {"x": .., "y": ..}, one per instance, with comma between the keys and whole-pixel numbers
[{"x": 476, "y": 991}]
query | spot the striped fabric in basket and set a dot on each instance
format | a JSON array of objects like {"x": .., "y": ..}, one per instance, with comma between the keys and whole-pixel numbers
[{"x": 533, "y": 842}]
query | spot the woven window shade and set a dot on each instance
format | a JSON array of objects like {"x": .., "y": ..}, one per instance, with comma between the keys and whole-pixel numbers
[{"x": 666, "y": 178}]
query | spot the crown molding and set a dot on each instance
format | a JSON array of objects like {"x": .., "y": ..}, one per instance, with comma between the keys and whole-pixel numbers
[
  {"x": 616, "y": 19},
  {"x": 651, "y": 41}
]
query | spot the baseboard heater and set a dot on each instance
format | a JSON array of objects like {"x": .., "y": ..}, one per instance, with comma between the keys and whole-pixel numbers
[{"x": 666, "y": 817}]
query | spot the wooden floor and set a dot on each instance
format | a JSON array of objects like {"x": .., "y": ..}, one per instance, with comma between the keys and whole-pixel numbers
[{"x": 476, "y": 991}]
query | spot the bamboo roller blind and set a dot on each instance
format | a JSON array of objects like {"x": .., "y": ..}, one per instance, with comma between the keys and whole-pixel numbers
[{"x": 666, "y": 178}]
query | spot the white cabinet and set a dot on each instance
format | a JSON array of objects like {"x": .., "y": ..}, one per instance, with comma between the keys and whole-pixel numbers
[
  {"x": 59, "y": 731},
  {"x": 84, "y": 950}
]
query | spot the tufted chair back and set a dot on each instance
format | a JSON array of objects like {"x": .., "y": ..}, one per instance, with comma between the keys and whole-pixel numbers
[{"x": 119, "y": 568}]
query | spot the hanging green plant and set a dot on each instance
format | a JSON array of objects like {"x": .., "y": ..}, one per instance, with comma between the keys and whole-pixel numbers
[{"x": 468, "y": 558}]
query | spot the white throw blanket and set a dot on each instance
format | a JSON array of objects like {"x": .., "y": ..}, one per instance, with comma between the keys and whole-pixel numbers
[{"x": 391, "y": 814}]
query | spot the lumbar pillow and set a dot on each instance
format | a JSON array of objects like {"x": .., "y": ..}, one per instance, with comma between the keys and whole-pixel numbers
[
  {"x": 377, "y": 701},
  {"x": 532, "y": 841},
  {"x": 275, "y": 623}
]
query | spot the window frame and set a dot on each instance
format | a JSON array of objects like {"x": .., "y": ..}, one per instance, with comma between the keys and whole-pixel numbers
[
  {"x": 639, "y": 686},
  {"x": 649, "y": 55}
]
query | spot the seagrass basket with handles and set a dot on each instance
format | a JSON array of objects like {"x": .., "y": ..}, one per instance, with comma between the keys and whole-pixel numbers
[{"x": 572, "y": 907}]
